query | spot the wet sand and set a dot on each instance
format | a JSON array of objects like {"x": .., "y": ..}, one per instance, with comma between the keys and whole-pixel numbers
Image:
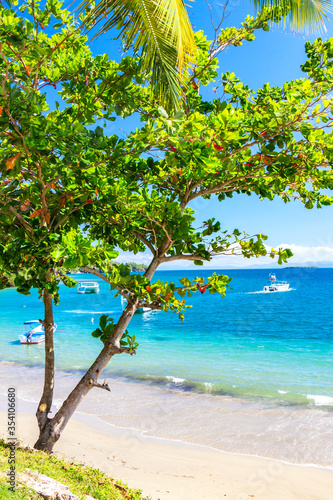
[{"x": 166, "y": 469}]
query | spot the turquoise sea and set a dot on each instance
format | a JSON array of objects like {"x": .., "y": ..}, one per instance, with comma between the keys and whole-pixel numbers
[{"x": 253, "y": 365}]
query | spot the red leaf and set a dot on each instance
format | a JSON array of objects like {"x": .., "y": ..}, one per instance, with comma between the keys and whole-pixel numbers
[
  {"x": 62, "y": 201},
  {"x": 173, "y": 149},
  {"x": 36, "y": 213},
  {"x": 148, "y": 288},
  {"x": 42, "y": 26},
  {"x": 89, "y": 201},
  {"x": 195, "y": 85},
  {"x": 10, "y": 163},
  {"x": 180, "y": 171},
  {"x": 217, "y": 147},
  {"x": 201, "y": 289},
  {"x": 25, "y": 205},
  {"x": 1, "y": 110}
]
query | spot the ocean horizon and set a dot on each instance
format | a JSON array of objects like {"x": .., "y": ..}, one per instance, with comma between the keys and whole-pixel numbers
[{"x": 250, "y": 373}]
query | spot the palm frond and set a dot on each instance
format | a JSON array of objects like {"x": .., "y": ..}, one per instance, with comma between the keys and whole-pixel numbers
[
  {"x": 303, "y": 15},
  {"x": 159, "y": 30}
]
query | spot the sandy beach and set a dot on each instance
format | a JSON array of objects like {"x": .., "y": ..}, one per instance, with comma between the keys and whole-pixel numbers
[{"x": 166, "y": 469}]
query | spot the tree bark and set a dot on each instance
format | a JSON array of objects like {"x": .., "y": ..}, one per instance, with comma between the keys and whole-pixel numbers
[{"x": 45, "y": 402}]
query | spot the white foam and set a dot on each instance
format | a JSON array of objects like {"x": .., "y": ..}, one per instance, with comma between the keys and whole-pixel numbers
[
  {"x": 176, "y": 380},
  {"x": 270, "y": 293},
  {"x": 80, "y": 311},
  {"x": 320, "y": 400}
]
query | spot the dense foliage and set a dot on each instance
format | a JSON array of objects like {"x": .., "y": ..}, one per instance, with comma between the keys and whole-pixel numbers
[{"x": 66, "y": 185}]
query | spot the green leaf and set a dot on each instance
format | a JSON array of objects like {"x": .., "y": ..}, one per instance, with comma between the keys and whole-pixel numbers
[
  {"x": 97, "y": 333},
  {"x": 162, "y": 112},
  {"x": 103, "y": 321}
]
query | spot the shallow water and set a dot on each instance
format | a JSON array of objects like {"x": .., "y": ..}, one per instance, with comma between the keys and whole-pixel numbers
[{"x": 251, "y": 373}]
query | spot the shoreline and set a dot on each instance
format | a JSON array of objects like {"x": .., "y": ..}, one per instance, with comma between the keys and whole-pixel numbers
[
  {"x": 168, "y": 469},
  {"x": 217, "y": 423},
  {"x": 97, "y": 423}
]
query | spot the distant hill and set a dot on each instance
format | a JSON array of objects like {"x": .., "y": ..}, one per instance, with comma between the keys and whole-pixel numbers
[{"x": 137, "y": 267}]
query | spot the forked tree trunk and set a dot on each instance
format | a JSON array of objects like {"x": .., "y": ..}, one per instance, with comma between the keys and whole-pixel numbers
[{"x": 51, "y": 429}]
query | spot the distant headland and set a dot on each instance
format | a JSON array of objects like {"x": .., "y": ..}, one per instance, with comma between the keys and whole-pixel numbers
[{"x": 301, "y": 267}]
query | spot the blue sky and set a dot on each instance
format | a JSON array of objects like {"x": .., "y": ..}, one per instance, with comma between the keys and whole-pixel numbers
[{"x": 274, "y": 57}]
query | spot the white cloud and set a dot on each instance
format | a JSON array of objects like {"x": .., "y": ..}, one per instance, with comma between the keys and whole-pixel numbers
[
  {"x": 302, "y": 255},
  {"x": 140, "y": 258}
]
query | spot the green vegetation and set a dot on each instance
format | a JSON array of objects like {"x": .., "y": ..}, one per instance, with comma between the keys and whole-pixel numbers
[
  {"x": 20, "y": 493},
  {"x": 80, "y": 479},
  {"x": 135, "y": 267},
  {"x": 159, "y": 30},
  {"x": 62, "y": 172}
]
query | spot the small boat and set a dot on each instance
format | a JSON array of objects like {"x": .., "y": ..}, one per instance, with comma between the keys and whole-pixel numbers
[
  {"x": 34, "y": 332},
  {"x": 276, "y": 286},
  {"x": 88, "y": 287}
]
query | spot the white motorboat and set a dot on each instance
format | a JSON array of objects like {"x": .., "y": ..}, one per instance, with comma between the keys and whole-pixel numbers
[
  {"x": 276, "y": 286},
  {"x": 88, "y": 287},
  {"x": 33, "y": 332}
]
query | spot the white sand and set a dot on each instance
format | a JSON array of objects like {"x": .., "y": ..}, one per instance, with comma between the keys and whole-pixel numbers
[{"x": 166, "y": 469}]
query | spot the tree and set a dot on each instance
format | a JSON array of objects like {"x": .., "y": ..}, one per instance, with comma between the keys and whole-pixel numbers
[
  {"x": 160, "y": 30},
  {"x": 302, "y": 15},
  {"x": 65, "y": 184}
]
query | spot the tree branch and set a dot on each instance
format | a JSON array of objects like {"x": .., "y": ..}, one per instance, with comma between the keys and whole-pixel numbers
[
  {"x": 182, "y": 257},
  {"x": 21, "y": 219},
  {"x": 96, "y": 273},
  {"x": 104, "y": 385},
  {"x": 144, "y": 241}
]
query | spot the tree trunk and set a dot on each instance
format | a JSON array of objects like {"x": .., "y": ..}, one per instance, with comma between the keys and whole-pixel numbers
[
  {"x": 45, "y": 402},
  {"x": 51, "y": 431}
]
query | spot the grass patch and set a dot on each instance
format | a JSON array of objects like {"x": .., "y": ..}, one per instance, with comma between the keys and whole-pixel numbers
[
  {"x": 80, "y": 479},
  {"x": 20, "y": 493}
]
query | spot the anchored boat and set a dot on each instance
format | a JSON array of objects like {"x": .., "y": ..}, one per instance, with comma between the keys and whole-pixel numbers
[
  {"x": 276, "y": 286},
  {"x": 88, "y": 287},
  {"x": 34, "y": 332}
]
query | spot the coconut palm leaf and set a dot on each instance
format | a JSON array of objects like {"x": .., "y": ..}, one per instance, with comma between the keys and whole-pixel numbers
[
  {"x": 159, "y": 30},
  {"x": 304, "y": 15}
]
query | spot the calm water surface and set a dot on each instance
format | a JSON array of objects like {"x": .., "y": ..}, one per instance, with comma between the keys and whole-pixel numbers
[{"x": 250, "y": 373}]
